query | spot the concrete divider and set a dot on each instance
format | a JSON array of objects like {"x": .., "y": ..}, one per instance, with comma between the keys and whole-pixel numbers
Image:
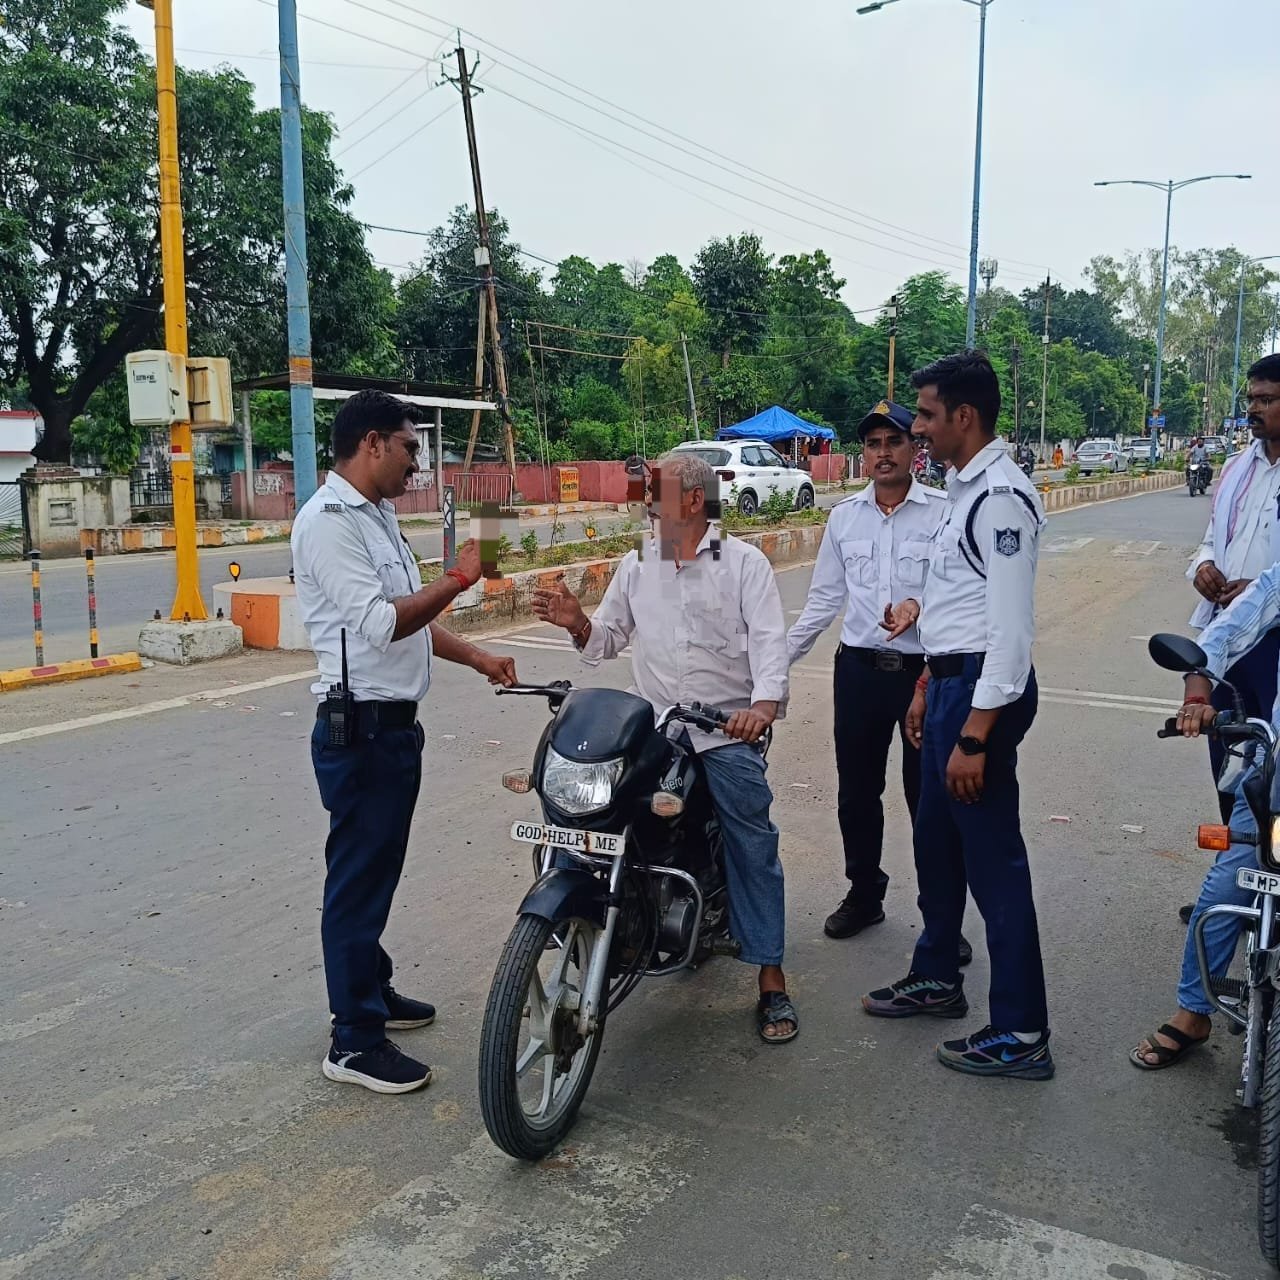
[
  {"x": 1076, "y": 495},
  {"x": 124, "y": 538}
]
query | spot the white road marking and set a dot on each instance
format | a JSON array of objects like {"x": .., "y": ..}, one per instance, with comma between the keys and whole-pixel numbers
[
  {"x": 1134, "y": 548},
  {"x": 999, "y": 1245},
  {"x": 150, "y": 708},
  {"x": 1110, "y": 706},
  {"x": 1112, "y": 697},
  {"x": 1061, "y": 545}
]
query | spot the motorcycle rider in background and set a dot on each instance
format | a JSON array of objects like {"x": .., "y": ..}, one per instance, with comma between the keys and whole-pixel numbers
[{"x": 705, "y": 621}]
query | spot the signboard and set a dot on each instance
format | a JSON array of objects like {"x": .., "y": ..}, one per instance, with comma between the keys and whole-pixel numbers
[
  {"x": 1156, "y": 420},
  {"x": 568, "y": 477},
  {"x": 450, "y": 534}
]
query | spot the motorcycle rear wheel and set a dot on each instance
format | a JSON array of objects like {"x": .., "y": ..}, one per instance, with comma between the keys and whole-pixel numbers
[
  {"x": 534, "y": 1067},
  {"x": 1269, "y": 1143}
]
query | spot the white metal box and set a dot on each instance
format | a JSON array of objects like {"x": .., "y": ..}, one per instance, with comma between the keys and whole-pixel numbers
[
  {"x": 157, "y": 388},
  {"x": 209, "y": 392}
]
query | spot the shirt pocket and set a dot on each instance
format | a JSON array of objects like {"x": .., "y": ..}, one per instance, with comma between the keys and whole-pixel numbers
[
  {"x": 913, "y": 561},
  {"x": 390, "y": 568},
  {"x": 714, "y": 632},
  {"x": 944, "y": 555},
  {"x": 860, "y": 561}
]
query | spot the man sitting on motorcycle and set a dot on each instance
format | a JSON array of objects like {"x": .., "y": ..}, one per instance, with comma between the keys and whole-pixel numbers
[
  {"x": 1225, "y": 640},
  {"x": 705, "y": 623}
]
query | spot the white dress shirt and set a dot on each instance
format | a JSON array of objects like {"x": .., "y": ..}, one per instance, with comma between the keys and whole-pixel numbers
[
  {"x": 1254, "y": 612},
  {"x": 350, "y": 561},
  {"x": 711, "y": 630},
  {"x": 1246, "y": 530},
  {"x": 989, "y": 606},
  {"x": 869, "y": 560}
]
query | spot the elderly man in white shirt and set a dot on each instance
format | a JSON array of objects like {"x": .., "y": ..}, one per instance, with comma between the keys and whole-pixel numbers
[
  {"x": 705, "y": 623},
  {"x": 1243, "y": 539},
  {"x": 874, "y": 553}
]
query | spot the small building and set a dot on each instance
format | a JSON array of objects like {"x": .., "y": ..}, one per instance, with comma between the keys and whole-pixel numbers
[{"x": 19, "y": 431}]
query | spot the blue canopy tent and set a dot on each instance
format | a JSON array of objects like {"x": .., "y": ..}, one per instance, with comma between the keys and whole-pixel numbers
[{"x": 775, "y": 424}]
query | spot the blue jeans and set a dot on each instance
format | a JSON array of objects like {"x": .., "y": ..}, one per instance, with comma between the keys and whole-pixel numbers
[
  {"x": 978, "y": 846},
  {"x": 753, "y": 871},
  {"x": 1222, "y": 932}
]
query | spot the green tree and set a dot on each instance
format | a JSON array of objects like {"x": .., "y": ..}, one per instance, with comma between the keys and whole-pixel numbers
[
  {"x": 811, "y": 330},
  {"x": 732, "y": 280},
  {"x": 80, "y": 281}
]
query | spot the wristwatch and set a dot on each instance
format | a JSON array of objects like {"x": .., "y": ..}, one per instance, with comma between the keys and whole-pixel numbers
[{"x": 971, "y": 746}]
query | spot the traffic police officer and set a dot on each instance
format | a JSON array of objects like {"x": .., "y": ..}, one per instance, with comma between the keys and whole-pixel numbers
[
  {"x": 976, "y": 620},
  {"x": 874, "y": 552},
  {"x": 371, "y": 623}
]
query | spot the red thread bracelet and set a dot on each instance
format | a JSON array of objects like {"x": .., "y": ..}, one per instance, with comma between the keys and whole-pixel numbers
[
  {"x": 922, "y": 684},
  {"x": 1195, "y": 700},
  {"x": 459, "y": 577}
]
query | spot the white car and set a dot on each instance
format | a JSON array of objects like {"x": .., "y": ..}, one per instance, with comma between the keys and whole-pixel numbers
[
  {"x": 755, "y": 470},
  {"x": 1139, "y": 449},
  {"x": 1101, "y": 455}
]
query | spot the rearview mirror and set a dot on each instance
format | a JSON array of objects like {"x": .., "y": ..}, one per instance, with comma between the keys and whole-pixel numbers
[{"x": 1176, "y": 653}]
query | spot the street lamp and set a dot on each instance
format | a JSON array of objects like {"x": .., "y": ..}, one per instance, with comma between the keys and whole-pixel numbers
[
  {"x": 1168, "y": 187},
  {"x": 1235, "y": 363},
  {"x": 971, "y": 320}
]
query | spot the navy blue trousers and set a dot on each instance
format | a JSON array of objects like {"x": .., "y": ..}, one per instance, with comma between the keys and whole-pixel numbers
[
  {"x": 978, "y": 845},
  {"x": 370, "y": 789},
  {"x": 1254, "y": 676}
]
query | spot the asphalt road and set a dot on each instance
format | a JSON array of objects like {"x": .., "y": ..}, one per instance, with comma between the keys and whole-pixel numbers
[
  {"x": 162, "y": 1011},
  {"x": 132, "y": 587}
]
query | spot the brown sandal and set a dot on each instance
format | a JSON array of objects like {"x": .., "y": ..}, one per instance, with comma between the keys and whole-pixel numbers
[{"x": 1164, "y": 1055}]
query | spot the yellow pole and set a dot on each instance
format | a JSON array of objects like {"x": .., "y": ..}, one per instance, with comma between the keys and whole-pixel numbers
[{"x": 187, "y": 603}]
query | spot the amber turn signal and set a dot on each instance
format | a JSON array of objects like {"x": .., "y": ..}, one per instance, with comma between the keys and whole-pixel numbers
[
  {"x": 518, "y": 780},
  {"x": 666, "y": 805},
  {"x": 1214, "y": 836}
]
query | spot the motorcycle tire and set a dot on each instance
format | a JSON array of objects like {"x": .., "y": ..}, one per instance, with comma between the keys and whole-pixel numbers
[
  {"x": 1269, "y": 1145},
  {"x": 508, "y": 1010}
]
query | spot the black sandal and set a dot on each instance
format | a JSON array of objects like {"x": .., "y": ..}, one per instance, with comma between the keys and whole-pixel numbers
[
  {"x": 1164, "y": 1055},
  {"x": 772, "y": 1008}
]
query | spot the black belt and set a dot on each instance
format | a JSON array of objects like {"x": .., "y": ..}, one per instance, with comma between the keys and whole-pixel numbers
[
  {"x": 885, "y": 659},
  {"x": 371, "y": 716},
  {"x": 953, "y": 664}
]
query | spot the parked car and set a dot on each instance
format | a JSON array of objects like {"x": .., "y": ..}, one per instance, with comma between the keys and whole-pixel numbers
[
  {"x": 1139, "y": 449},
  {"x": 1217, "y": 446},
  {"x": 1101, "y": 455},
  {"x": 755, "y": 470}
]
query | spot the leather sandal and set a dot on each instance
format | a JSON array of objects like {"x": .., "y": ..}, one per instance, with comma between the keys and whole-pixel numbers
[
  {"x": 772, "y": 1008},
  {"x": 1164, "y": 1055}
]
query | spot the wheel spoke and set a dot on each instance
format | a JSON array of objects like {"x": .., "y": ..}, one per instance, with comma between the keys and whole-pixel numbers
[
  {"x": 534, "y": 1052},
  {"x": 548, "y": 1086}
]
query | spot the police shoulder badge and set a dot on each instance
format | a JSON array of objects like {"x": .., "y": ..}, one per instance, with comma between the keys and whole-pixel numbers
[{"x": 1008, "y": 541}]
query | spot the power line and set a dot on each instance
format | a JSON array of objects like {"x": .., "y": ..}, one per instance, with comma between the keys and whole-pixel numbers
[
  {"x": 403, "y": 142},
  {"x": 312, "y": 62},
  {"x": 377, "y": 128},
  {"x": 395, "y": 88}
]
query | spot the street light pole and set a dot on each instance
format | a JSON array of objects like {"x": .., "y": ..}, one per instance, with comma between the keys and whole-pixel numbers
[
  {"x": 1235, "y": 362},
  {"x": 1168, "y": 187},
  {"x": 971, "y": 320}
]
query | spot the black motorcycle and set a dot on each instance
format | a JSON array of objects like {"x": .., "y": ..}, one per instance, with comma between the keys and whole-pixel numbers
[
  {"x": 629, "y": 884},
  {"x": 1199, "y": 477}
]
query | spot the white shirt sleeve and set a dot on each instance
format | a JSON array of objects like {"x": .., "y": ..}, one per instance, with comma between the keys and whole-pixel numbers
[
  {"x": 766, "y": 632},
  {"x": 612, "y": 623},
  {"x": 1011, "y": 584},
  {"x": 1205, "y": 551},
  {"x": 828, "y": 592},
  {"x": 331, "y": 552},
  {"x": 1244, "y": 622}
]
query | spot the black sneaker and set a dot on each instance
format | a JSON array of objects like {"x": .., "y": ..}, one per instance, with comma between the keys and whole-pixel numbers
[
  {"x": 1184, "y": 913},
  {"x": 851, "y": 917},
  {"x": 998, "y": 1053},
  {"x": 966, "y": 951},
  {"x": 384, "y": 1069},
  {"x": 403, "y": 1014},
  {"x": 915, "y": 994}
]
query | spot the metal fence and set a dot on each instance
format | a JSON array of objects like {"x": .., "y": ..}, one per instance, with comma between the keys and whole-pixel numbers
[
  {"x": 472, "y": 488},
  {"x": 13, "y": 523},
  {"x": 151, "y": 489}
]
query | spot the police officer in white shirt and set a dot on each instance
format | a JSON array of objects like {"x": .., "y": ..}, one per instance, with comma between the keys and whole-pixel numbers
[
  {"x": 874, "y": 553},
  {"x": 358, "y": 582},
  {"x": 1243, "y": 539},
  {"x": 977, "y": 622}
]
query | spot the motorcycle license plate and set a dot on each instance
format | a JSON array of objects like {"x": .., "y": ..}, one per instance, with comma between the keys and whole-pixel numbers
[
  {"x": 1258, "y": 881},
  {"x": 603, "y": 843}
]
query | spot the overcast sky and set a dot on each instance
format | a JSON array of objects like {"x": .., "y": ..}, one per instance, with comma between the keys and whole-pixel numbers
[{"x": 869, "y": 118}]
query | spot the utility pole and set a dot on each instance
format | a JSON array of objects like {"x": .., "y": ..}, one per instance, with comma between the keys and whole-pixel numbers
[
  {"x": 1017, "y": 397},
  {"x": 188, "y": 606},
  {"x": 1044, "y": 371},
  {"x": 491, "y": 295},
  {"x": 479, "y": 376},
  {"x": 893, "y": 342},
  {"x": 688, "y": 379},
  {"x": 301, "y": 399}
]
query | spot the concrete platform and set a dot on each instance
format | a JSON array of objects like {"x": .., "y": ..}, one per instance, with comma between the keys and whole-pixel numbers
[
  {"x": 182, "y": 643},
  {"x": 266, "y": 612}
]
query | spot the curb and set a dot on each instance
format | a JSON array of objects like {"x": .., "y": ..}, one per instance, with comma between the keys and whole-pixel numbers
[{"x": 79, "y": 669}]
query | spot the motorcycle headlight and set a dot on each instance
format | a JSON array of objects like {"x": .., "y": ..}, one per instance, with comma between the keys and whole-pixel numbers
[{"x": 573, "y": 786}]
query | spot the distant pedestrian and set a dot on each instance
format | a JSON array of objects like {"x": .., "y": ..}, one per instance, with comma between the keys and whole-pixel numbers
[
  {"x": 875, "y": 551},
  {"x": 976, "y": 617},
  {"x": 359, "y": 588}
]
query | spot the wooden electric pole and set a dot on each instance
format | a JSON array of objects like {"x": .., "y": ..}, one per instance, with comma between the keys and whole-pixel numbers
[{"x": 489, "y": 304}]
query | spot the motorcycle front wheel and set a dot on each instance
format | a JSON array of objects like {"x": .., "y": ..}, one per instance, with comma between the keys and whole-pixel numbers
[
  {"x": 1269, "y": 1142},
  {"x": 535, "y": 1068}
]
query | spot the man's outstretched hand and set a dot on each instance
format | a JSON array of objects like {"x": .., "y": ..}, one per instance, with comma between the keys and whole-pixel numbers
[
  {"x": 900, "y": 618},
  {"x": 559, "y": 606}
]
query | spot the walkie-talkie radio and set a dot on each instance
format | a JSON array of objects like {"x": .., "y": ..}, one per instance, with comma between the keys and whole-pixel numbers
[{"x": 340, "y": 705}]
